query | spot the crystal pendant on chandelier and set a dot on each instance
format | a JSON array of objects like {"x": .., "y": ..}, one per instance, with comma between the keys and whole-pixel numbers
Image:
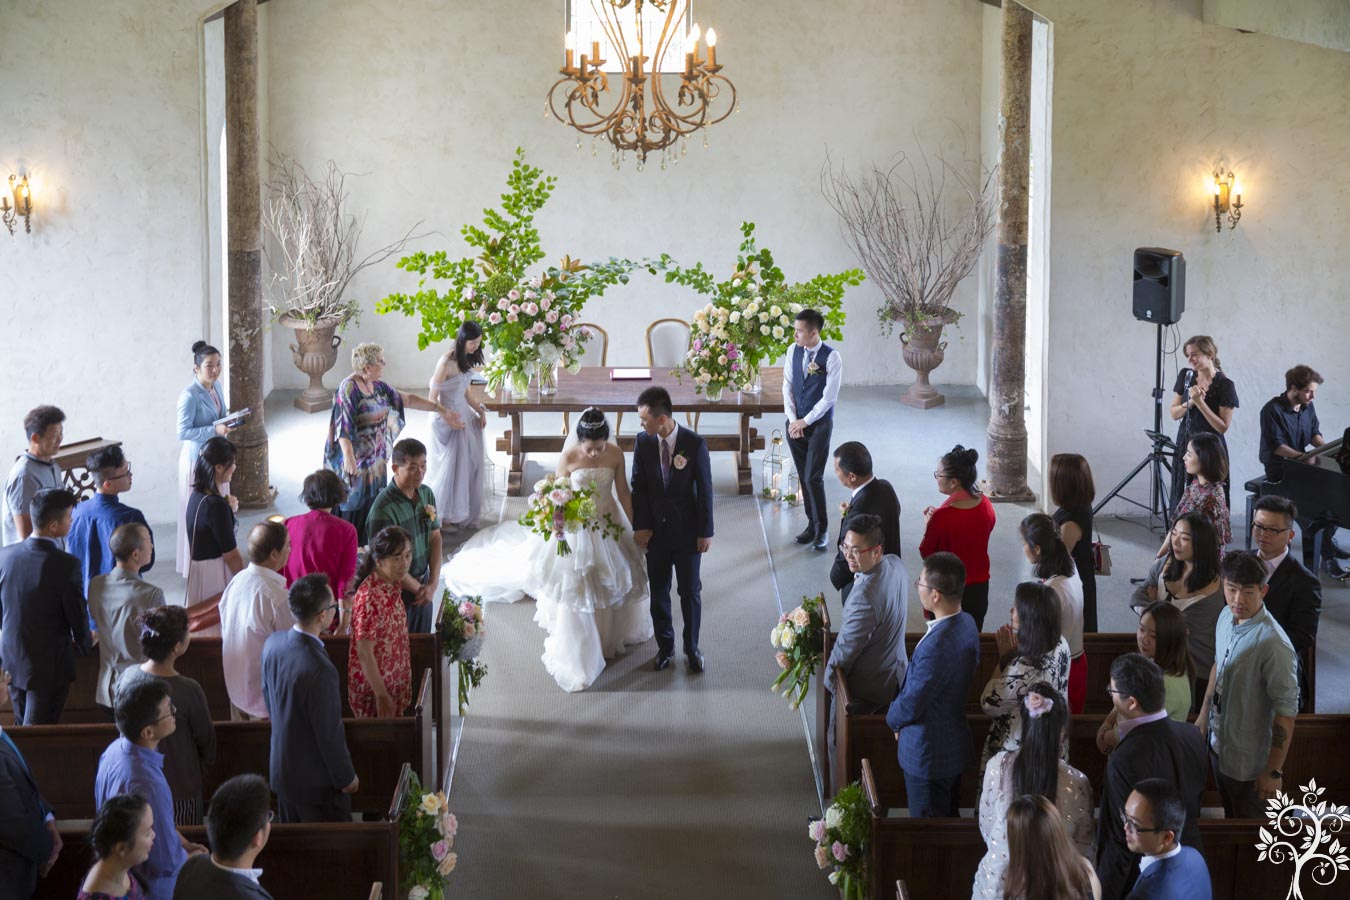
[{"x": 637, "y": 114}]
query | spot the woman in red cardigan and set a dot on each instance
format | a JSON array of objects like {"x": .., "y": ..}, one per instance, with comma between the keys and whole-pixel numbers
[{"x": 962, "y": 525}]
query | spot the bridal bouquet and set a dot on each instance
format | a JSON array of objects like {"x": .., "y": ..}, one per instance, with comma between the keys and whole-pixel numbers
[
  {"x": 841, "y": 841},
  {"x": 426, "y": 834},
  {"x": 462, "y": 631},
  {"x": 557, "y": 508},
  {"x": 799, "y": 638}
]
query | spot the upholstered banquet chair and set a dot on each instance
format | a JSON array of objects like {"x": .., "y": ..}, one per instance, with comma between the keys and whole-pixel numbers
[
  {"x": 595, "y": 352},
  {"x": 667, "y": 346}
]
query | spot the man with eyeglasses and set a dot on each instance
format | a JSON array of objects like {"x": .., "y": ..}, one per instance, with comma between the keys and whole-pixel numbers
[
  {"x": 870, "y": 649},
  {"x": 1153, "y": 818},
  {"x": 311, "y": 769},
  {"x": 933, "y": 741},
  {"x": 238, "y": 824},
  {"x": 1293, "y": 595},
  {"x": 94, "y": 520},
  {"x": 1151, "y": 745},
  {"x": 133, "y": 764}
]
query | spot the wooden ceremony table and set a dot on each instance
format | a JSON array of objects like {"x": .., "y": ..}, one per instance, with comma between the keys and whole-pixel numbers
[{"x": 593, "y": 386}]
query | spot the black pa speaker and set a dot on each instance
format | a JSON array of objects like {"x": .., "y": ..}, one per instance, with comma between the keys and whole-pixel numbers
[{"x": 1159, "y": 285}]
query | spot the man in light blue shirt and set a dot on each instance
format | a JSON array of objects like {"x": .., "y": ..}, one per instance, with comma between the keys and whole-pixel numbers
[
  {"x": 1252, "y": 697},
  {"x": 133, "y": 764}
]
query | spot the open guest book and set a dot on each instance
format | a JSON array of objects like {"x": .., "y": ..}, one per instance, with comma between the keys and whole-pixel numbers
[
  {"x": 630, "y": 374},
  {"x": 234, "y": 419}
]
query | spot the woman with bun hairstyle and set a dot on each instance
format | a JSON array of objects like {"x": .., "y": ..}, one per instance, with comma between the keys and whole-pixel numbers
[
  {"x": 191, "y": 748},
  {"x": 199, "y": 405},
  {"x": 962, "y": 525},
  {"x": 455, "y": 456},
  {"x": 211, "y": 524},
  {"x": 122, "y": 835}
]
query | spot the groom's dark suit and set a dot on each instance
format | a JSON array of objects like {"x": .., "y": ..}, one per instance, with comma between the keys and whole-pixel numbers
[{"x": 677, "y": 514}]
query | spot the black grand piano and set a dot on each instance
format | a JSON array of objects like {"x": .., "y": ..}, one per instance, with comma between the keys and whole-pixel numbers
[{"x": 1319, "y": 484}]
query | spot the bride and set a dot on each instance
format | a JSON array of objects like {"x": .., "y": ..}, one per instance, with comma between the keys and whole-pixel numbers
[{"x": 593, "y": 602}]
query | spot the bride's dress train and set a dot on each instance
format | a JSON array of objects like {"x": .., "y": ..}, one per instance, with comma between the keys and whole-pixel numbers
[{"x": 593, "y": 602}]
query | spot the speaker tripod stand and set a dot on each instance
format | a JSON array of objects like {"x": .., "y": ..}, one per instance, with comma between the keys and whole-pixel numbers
[{"x": 1157, "y": 461}]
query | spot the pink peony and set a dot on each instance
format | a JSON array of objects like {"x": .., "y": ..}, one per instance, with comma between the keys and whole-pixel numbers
[
  {"x": 439, "y": 849},
  {"x": 840, "y": 851},
  {"x": 817, "y": 830}
]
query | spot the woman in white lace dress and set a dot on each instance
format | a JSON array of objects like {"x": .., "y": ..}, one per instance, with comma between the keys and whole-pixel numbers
[
  {"x": 593, "y": 602},
  {"x": 1035, "y": 768}
]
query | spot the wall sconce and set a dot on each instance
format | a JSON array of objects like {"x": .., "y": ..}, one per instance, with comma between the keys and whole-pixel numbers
[
  {"x": 1227, "y": 199},
  {"x": 23, "y": 204}
]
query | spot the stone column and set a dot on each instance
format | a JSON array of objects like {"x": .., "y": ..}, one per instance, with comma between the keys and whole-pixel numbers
[
  {"x": 243, "y": 257},
  {"x": 1007, "y": 467}
]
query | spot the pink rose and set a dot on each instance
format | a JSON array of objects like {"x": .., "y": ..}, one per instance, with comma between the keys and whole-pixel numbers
[
  {"x": 783, "y": 663},
  {"x": 515, "y": 307},
  {"x": 532, "y": 308},
  {"x": 530, "y": 295},
  {"x": 567, "y": 320},
  {"x": 551, "y": 316},
  {"x": 584, "y": 333},
  {"x": 439, "y": 849},
  {"x": 502, "y": 304},
  {"x": 546, "y": 301},
  {"x": 817, "y": 830},
  {"x": 822, "y": 857},
  {"x": 840, "y": 851},
  {"x": 511, "y": 317},
  {"x": 495, "y": 318},
  {"x": 449, "y": 825},
  {"x": 568, "y": 343},
  {"x": 698, "y": 344},
  {"x": 731, "y": 351},
  {"x": 513, "y": 294},
  {"x": 540, "y": 328}
]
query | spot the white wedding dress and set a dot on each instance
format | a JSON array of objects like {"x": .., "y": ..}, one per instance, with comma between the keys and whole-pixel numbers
[{"x": 593, "y": 602}]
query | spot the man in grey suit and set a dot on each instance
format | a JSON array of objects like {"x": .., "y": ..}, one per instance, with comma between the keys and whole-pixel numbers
[
  {"x": 870, "y": 649},
  {"x": 116, "y": 601},
  {"x": 238, "y": 824},
  {"x": 311, "y": 770},
  {"x": 43, "y": 618}
]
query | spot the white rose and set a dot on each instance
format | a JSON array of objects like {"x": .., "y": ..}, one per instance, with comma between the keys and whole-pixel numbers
[
  {"x": 775, "y": 636},
  {"x": 735, "y": 282},
  {"x": 418, "y": 893},
  {"x": 751, "y": 309},
  {"x": 735, "y": 317},
  {"x": 753, "y": 287},
  {"x": 765, "y": 330},
  {"x": 778, "y": 332},
  {"x": 789, "y": 637},
  {"x": 776, "y": 310},
  {"x": 833, "y": 817},
  {"x": 722, "y": 360}
]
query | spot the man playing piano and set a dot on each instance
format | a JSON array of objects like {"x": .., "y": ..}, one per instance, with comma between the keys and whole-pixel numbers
[{"x": 1289, "y": 427}]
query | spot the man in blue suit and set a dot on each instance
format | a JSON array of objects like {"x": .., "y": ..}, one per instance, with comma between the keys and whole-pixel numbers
[
  {"x": 29, "y": 841},
  {"x": 43, "y": 617},
  {"x": 1154, "y": 817},
  {"x": 929, "y": 716},
  {"x": 311, "y": 769},
  {"x": 672, "y": 519}
]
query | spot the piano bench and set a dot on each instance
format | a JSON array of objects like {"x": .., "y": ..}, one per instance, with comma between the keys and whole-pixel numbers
[{"x": 1253, "y": 488}]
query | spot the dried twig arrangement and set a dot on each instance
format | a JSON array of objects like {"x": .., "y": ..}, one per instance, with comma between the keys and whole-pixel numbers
[
  {"x": 897, "y": 222},
  {"x": 312, "y": 251}
]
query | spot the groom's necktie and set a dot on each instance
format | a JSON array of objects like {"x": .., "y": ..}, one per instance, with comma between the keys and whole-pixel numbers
[{"x": 665, "y": 462}]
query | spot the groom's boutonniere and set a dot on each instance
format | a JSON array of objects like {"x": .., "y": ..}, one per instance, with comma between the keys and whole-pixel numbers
[
  {"x": 680, "y": 460},
  {"x": 813, "y": 369}
]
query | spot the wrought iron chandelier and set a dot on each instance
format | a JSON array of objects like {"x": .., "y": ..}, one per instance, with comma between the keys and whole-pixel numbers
[{"x": 642, "y": 118}]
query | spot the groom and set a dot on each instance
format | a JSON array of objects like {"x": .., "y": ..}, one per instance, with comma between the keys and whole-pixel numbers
[{"x": 672, "y": 519}]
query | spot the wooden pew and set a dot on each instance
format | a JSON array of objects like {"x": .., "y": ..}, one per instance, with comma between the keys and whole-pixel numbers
[
  {"x": 329, "y": 860},
  {"x": 64, "y": 758},
  {"x": 939, "y": 857},
  {"x": 1318, "y": 743}
]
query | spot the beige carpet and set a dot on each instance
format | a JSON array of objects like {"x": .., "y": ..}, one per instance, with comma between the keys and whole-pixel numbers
[{"x": 649, "y": 784}]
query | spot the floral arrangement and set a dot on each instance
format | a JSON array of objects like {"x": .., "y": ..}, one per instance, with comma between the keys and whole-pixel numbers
[
  {"x": 841, "y": 841},
  {"x": 462, "y": 631},
  {"x": 714, "y": 360},
  {"x": 757, "y": 306},
  {"x": 799, "y": 638},
  {"x": 426, "y": 836},
  {"x": 557, "y": 508},
  {"x": 477, "y": 286}
]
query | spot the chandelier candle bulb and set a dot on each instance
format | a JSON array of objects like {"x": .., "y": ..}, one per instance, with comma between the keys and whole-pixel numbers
[{"x": 712, "y": 48}]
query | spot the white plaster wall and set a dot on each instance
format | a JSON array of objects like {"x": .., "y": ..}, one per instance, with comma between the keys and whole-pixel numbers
[
  {"x": 1147, "y": 99},
  {"x": 1325, "y": 23},
  {"x": 99, "y": 305},
  {"x": 431, "y": 98}
]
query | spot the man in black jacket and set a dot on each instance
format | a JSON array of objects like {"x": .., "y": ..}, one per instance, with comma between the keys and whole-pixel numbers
[
  {"x": 871, "y": 496},
  {"x": 238, "y": 824},
  {"x": 1294, "y": 595},
  {"x": 29, "y": 841},
  {"x": 311, "y": 767},
  {"x": 43, "y": 615},
  {"x": 1151, "y": 746}
]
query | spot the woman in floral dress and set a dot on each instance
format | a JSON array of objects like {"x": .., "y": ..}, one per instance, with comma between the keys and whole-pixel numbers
[
  {"x": 379, "y": 671},
  {"x": 1206, "y": 461},
  {"x": 367, "y": 418}
]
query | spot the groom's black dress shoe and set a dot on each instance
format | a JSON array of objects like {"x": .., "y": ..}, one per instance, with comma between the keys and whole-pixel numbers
[
  {"x": 662, "y": 660},
  {"x": 821, "y": 542},
  {"x": 807, "y": 536},
  {"x": 695, "y": 661}
]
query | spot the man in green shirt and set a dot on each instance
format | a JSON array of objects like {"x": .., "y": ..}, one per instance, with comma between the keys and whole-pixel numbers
[{"x": 409, "y": 504}]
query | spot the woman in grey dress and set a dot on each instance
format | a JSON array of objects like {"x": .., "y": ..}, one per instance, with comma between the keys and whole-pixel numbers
[{"x": 455, "y": 456}]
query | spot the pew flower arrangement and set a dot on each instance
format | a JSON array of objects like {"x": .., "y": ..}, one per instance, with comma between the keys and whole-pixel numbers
[
  {"x": 462, "y": 631},
  {"x": 475, "y": 287},
  {"x": 556, "y": 508},
  {"x": 760, "y": 305},
  {"x": 799, "y": 638},
  {"x": 426, "y": 838},
  {"x": 841, "y": 842}
]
